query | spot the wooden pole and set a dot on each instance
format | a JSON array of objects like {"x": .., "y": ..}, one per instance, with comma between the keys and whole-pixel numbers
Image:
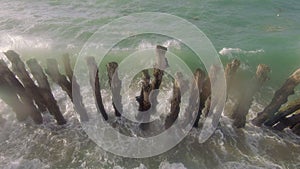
[
  {"x": 144, "y": 100},
  {"x": 95, "y": 83},
  {"x": 195, "y": 98},
  {"x": 296, "y": 129},
  {"x": 179, "y": 88},
  {"x": 241, "y": 111},
  {"x": 230, "y": 71},
  {"x": 280, "y": 97},
  {"x": 285, "y": 122},
  {"x": 45, "y": 90},
  {"x": 19, "y": 69},
  {"x": 78, "y": 104},
  {"x": 13, "y": 89},
  {"x": 53, "y": 72},
  {"x": 283, "y": 112},
  {"x": 115, "y": 85}
]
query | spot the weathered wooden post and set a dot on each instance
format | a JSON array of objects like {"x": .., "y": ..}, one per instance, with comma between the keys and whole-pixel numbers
[
  {"x": 146, "y": 103},
  {"x": 285, "y": 122},
  {"x": 230, "y": 71},
  {"x": 144, "y": 100},
  {"x": 195, "y": 98},
  {"x": 95, "y": 83},
  {"x": 240, "y": 112},
  {"x": 280, "y": 97},
  {"x": 11, "y": 90},
  {"x": 296, "y": 129},
  {"x": 45, "y": 90},
  {"x": 19, "y": 69},
  {"x": 78, "y": 104},
  {"x": 115, "y": 85},
  {"x": 53, "y": 72},
  {"x": 179, "y": 88},
  {"x": 292, "y": 107}
]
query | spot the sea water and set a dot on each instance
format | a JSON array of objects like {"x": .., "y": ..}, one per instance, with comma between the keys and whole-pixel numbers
[{"x": 254, "y": 32}]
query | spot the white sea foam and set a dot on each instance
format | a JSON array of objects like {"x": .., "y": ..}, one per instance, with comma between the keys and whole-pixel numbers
[
  {"x": 167, "y": 165},
  {"x": 231, "y": 51}
]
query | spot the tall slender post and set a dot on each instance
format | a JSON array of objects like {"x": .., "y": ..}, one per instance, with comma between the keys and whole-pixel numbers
[
  {"x": 19, "y": 69},
  {"x": 95, "y": 83},
  {"x": 115, "y": 85},
  {"x": 241, "y": 111},
  {"x": 45, "y": 90},
  {"x": 14, "y": 94}
]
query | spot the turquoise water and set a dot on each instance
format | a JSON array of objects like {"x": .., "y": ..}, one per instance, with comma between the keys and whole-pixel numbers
[{"x": 253, "y": 31}]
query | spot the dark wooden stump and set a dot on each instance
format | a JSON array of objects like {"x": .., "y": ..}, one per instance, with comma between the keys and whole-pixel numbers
[
  {"x": 13, "y": 93},
  {"x": 179, "y": 88},
  {"x": 239, "y": 114},
  {"x": 144, "y": 100},
  {"x": 285, "y": 122},
  {"x": 95, "y": 83},
  {"x": 280, "y": 97},
  {"x": 45, "y": 90},
  {"x": 19, "y": 69},
  {"x": 115, "y": 85},
  {"x": 296, "y": 129}
]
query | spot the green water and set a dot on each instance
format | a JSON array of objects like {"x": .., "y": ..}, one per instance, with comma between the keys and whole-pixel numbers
[{"x": 254, "y": 31}]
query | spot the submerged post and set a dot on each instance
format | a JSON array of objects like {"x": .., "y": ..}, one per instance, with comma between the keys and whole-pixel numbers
[
  {"x": 45, "y": 90},
  {"x": 95, "y": 84},
  {"x": 115, "y": 85},
  {"x": 280, "y": 97}
]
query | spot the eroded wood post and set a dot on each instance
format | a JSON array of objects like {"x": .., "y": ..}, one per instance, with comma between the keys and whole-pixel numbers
[
  {"x": 179, "y": 88},
  {"x": 144, "y": 100},
  {"x": 78, "y": 104},
  {"x": 16, "y": 89},
  {"x": 230, "y": 71},
  {"x": 53, "y": 72},
  {"x": 292, "y": 107},
  {"x": 95, "y": 83},
  {"x": 194, "y": 102},
  {"x": 19, "y": 69},
  {"x": 45, "y": 90},
  {"x": 296, "y": 129},
  {"x": 287, "y": 122},
  {"x": 115, "y": 85},
  {"x": 158, "y": 73},
  {"x": 240, "y": 112},
  {"x": 280, "y": 97}
]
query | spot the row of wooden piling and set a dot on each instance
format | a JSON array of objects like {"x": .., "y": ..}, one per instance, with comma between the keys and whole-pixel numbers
[{"x": 28, "y": 92}]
